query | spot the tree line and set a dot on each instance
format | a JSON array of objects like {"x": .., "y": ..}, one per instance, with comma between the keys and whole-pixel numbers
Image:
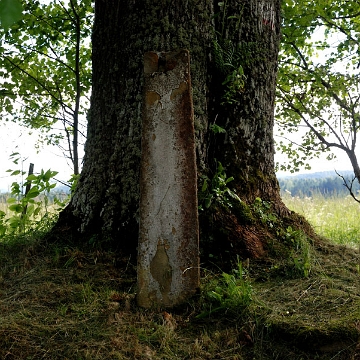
[{"x": 307, "y": 187}]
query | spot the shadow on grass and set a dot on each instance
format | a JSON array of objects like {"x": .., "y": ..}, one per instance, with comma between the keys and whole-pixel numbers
[{"x": 62, "y": 302}]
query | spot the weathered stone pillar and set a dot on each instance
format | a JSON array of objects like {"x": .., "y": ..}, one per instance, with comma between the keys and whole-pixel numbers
[{"x": 168, "y": 252}]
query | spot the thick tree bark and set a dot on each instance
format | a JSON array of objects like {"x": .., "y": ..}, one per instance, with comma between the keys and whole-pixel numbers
[{"x": 106, "y": 201}]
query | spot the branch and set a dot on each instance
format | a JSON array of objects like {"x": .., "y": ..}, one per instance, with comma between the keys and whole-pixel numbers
[
  {"x": 349, "y": 187},
  {"x": 336, "y": 26},
  {"x": 313, "y": 129},
  {"x": 38, "y": 82},
  {"x": 56, "y": 58}
]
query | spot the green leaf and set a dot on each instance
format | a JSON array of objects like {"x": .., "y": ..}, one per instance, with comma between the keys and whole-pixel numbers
[
  {"x": 37, "y": 211},
  {"x": 15, "y": 222},
  {"x": 30, "y": 210},
  {"x": 10, "y": 12},
  {"x": 208, "y": 202},
  {"x": 18, "y": 208},
  {"x": 33, "y": 192},
  {"x": 204, "y": 186},
  {"x": 216, "y": 129},
  {"x": 31, "y": 177}
]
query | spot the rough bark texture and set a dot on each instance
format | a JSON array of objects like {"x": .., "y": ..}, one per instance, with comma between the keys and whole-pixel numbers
[
  {"x": 246, "y": 150},
  {"x": 106, "y": 201}
]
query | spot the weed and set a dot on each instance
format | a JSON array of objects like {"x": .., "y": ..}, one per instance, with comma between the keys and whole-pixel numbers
[
  {"x": 216, "y": 190},
  {"x": 229, "y": 56},
  {"x": 300, "y": 253},
  {"x": 228, "y": 293},
  {"x": 25, "y": 208},
  {"x": 264, "y": 212}
]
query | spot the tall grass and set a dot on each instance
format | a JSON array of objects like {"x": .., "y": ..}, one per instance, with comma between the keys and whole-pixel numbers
[{"x": 335, "y": 217}]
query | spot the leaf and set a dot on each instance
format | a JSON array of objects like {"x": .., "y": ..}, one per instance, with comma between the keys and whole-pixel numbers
[
  {"x": 15, "y": 222},
  {"x": 204, "y": 186},
  {"x": 15, "y": 172},
  {"x": 18, "y": 208},
  {"x": 49, "y": 174},
  {"x": 216, "y": 129},
  {"x": 33, "y": 192},
  {"x": 10, "y": 12},
  {"x": 208, "y": 202},
  {"x": 30, "y": 210},
  {"x": 31, "y": 177}
]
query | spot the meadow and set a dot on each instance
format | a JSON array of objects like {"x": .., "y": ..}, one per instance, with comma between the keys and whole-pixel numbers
[{"x": 333, "y": 216}]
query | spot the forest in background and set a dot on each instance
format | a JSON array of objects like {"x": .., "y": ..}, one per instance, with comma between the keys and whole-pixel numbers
[{"x": 326, "y": 183}]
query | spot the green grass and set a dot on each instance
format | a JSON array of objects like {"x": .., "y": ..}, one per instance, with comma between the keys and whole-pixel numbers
[
  {"x": 63, "y": 302},
  {"x": 59, "y": 302},
  {"x": 335, "y": 217}
]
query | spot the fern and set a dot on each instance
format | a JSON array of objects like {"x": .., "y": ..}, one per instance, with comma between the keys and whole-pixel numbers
[{"x": 227, "y": 57}]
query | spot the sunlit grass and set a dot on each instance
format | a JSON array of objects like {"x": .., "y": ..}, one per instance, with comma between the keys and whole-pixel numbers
[
  {"x": 335, "y": 217},
  {"x": 50, "y": 208}
]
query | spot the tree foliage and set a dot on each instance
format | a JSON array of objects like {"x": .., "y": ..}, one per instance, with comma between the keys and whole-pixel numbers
[
  {"x": 10, "y": 12},
  {"x": 318, "y": 91},
  {"x": 46, "y": 71}
]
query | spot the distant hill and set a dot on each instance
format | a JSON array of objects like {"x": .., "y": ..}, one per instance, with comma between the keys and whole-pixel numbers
[
  {"x": 326, "y": 183},
  {"x": 318, "y": 175}
]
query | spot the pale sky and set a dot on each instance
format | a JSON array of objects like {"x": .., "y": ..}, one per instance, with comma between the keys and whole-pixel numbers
[{"x": 14, "y": 138}]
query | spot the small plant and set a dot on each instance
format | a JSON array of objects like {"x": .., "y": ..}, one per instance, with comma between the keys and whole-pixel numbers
[
  {"x": 235, "y": 84},
  {"x": 300, "y": 255},
  {"x": 25, "y": 208},
  {"x": 228, "y": 61},
  {"x": 216, "y": 190},
  {"x": 72, "y": 184},
  {"x": 228, "y": 293},
  {"x": 228, "y": 56},
  {"x": 263, "y": 210},
  {"x": 216, "y": 129}
]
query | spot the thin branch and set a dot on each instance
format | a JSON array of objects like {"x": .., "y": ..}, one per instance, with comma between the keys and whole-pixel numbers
[
  {"x": 38, "y": 82},
  {"x": 56, "y": 58},
  {"x": 349, "y": 187},
  {"x": 336, "y": 26}
]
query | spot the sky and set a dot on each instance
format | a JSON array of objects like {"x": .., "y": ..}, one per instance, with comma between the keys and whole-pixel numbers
[{"x": 14, "y": 138}]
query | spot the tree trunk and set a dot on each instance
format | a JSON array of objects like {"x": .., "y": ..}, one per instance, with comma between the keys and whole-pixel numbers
[{"x": 106, "y": 201}]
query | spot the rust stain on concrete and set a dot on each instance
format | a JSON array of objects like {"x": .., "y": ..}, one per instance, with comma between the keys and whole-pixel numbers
[
  {"x": 161, "y": 271},
  {"x": 168, "y": 255},
  {"x": 152, "y": 98}
]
